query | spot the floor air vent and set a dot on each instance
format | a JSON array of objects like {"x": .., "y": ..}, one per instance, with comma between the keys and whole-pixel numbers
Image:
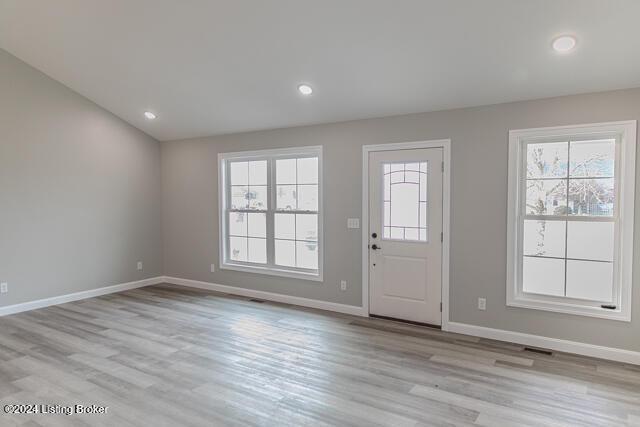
[{"x": 538, "y": 350}]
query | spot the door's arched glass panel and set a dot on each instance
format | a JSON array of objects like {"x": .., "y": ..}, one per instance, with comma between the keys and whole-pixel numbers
[{"x": 405, "y": 201}]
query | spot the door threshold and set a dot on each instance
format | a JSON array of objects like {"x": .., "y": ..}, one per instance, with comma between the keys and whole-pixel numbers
[{"x": 408, "y": 322}]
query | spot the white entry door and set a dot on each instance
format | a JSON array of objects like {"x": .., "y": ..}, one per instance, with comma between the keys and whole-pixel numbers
[{"x": 405, "y": 235}]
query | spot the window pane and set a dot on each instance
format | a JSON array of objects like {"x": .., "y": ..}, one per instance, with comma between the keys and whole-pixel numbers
[
  {"x": 543, "y": 276},
  {"x": 404, "y": 205},
  {"x": 257, "y": 251},
  {"x": 286, "y": 171},
  {"x": 387, "y": 214},
  {"x": 285, "y": 253},
  {"x": 238, "y": 248},
  {"x": 257, "y": 226},
  {"x": 411, "y": 176},
  {"x": 548, "y": 160},
  {"x": 590, "y": 240},
  {"x": 397, "y": 232},
  {"x": 591, "y": 197},
  {"x": 307, "y": 255},
  {"x": 237, "y": 224},
  {"x": 546, "y": 197},
  {"x": 286, "y": 197},
  {"x": 387, "y": 184},
  {"x": 239, "y": 173},
  {"x": 308, "y": 170},
  {"x": 307, "y": 197},
  {"x": 307, "y": 227},
  {"x": 423, "y": 183},
  {"x": 396, "y": 176},
  {"x": 544, "y": 238},
  {"x": 590, "y": 280},
  {"x": 258, "y": 197},
  {"x": 239, "y": 197},
  {"x": 258, "y": 172},
  {"x": 593, "y": 159},
  {"x": 411, "y": 234},
  {"x": 285, "y": 226}
]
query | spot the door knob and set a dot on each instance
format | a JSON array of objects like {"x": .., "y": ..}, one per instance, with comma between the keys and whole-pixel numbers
[
  {"x": 375, "y": 247},
  {"x": 374, "y": 235}
]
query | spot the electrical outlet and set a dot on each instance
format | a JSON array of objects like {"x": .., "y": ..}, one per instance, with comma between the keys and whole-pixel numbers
[
  {"x": 482, "y": 303},
  {"x": 4, "y": 288},
  {"x": 213, "y": 268},
  {"x": 139, "y": 265},
  {"x": 343, "y": 285}
]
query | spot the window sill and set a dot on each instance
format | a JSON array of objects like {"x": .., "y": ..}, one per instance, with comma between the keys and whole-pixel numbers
[
  {"x": 578, "y": 310},
  {"x": 272, "y": 271}
]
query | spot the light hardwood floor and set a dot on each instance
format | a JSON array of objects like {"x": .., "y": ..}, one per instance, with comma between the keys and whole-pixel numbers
[{"x": 172, "y": 356}]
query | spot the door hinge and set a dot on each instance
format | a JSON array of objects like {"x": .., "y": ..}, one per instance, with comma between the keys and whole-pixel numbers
[
  {"x": 442, "y": 236},
  {"x": 440, "y": 307},
  {"x": 443, "y": 167}
]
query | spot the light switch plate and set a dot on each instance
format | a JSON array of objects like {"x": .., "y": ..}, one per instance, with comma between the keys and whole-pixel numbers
[{"x": 353, "y": 222}]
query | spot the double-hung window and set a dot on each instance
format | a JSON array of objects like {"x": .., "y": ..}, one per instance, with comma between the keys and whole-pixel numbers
[
  {"x": 271, "y": 212},
  {"x": 570, "y": 219}
]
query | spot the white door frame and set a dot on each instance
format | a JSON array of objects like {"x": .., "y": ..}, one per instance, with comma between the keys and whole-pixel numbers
[{"x": 445, "y": 144}]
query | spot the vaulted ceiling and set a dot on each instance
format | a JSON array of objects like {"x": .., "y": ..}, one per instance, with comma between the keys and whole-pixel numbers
[{"x": 213, "y": 67}]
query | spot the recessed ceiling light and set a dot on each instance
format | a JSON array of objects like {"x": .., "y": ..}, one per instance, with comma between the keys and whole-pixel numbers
[
  {"x": 305, "y": 89},
  {"x": 149, "y": 115},
  {"x": 564, "y": 44}
]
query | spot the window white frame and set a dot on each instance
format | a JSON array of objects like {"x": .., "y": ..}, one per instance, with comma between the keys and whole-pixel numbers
[
  {"x": 270, "y": 268},
  {"x": 624, "y": 186}
]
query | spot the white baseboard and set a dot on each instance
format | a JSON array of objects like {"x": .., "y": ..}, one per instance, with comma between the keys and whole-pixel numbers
[
  {"x": 601, "y": 352},
  {"x": 269, "y": 296},
  {"x": 32, "y": 305}
]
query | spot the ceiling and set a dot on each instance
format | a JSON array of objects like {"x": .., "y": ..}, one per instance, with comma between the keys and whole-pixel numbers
[{"x": 213, "y": 67}]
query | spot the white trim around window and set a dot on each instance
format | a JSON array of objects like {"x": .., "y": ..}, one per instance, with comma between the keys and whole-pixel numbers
[
  {"x": 610, "y": 301},
  {"x": 264, "y": 205}
]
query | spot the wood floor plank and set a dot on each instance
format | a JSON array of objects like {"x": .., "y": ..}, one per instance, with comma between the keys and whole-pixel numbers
[{"x": 173, "y": 356}]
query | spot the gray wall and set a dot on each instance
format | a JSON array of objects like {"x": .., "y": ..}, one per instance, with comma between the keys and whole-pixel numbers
[
  {"x": 79, "y": 191},
  {"x": 479, "y": 207}
]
